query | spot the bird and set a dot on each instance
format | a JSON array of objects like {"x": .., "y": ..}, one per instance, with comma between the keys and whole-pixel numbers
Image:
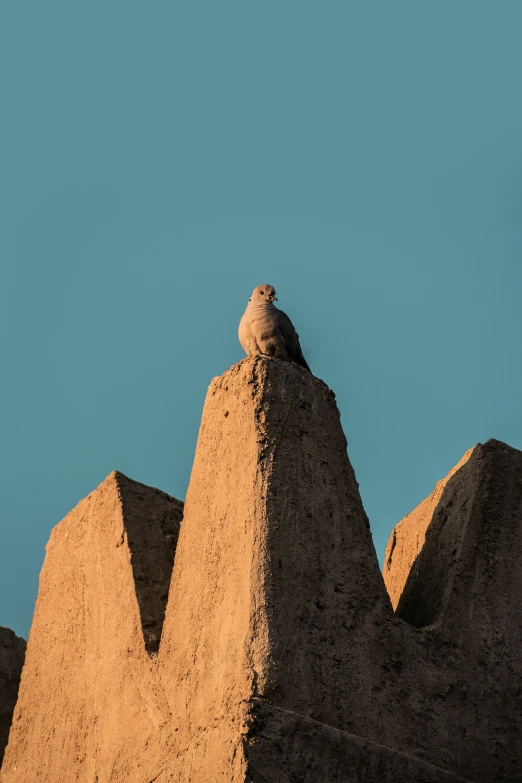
[{"x": 266, "y": 330}]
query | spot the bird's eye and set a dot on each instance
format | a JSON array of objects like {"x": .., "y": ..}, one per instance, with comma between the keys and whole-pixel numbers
[{"x": 261, "y": 292}]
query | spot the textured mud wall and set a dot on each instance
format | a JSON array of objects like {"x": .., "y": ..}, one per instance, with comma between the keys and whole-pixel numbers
[
  {"x": 12, "y": 654},
  {"x": 407, "y": 538}
]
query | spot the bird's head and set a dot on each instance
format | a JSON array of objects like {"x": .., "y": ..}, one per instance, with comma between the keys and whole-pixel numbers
[{"x": 263, "y": 293}]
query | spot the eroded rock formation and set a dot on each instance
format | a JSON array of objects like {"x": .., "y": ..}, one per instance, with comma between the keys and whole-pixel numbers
[{"x": 281, "y": 659}]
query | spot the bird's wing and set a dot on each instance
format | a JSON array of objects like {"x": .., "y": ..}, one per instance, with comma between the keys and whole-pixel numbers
[
  {"x": 245, "y": 335},
  {"x": 291, "y": 339}
]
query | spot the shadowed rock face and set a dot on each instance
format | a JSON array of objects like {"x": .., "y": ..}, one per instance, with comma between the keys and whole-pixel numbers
[
  {"x": 12, "y": 654},
  {"x": 151, "y": 520},
  {"x": 463, "y": 594},
  {"x": 280, "y": 659},
  {"x": 407, "y": 538},
  {"x": 467, "y": 576},
  {"x": 290, "y": 748}
]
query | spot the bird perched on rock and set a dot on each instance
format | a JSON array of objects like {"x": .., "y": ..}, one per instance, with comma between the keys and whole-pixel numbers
[{"x": 268, "y": 331}]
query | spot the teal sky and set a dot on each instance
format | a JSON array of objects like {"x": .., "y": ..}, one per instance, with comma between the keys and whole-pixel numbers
[{"x": 158, "y": 160}]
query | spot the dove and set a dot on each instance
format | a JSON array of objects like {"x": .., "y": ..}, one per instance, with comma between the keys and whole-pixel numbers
[{"x": 265, "y": 330}]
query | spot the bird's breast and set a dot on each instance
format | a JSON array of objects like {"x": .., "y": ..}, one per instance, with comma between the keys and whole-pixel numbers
[{"x": 263, "y": 321}]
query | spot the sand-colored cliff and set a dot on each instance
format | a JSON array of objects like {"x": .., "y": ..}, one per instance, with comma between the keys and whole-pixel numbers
[{"x": 280, "y": 659}]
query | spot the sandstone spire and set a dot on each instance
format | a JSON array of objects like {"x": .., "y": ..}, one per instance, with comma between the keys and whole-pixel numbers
[
  {"x": 276, "y": 586},
  {"x": 87, "y": 694}
]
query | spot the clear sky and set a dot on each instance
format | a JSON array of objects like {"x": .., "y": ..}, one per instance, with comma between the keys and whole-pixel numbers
[{"x": 160, "y": 159}]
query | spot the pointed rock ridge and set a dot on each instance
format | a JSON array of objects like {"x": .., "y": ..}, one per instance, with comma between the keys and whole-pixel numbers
[
  {"x": 152, "y": 531},
  {"x": 407, "y": 538},
  {"x": 276, "y": 591},
  {"x": 89, "y": 694},
  {"x": 12, "y": 654}
]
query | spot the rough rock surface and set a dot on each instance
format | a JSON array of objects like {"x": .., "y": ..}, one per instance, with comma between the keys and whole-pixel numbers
[
  {"x": 288, "y": 748},
  {"x": 407, "y": 538},
  {"x": 12, "y": 654},
  {"x": 280, "y": 659}
]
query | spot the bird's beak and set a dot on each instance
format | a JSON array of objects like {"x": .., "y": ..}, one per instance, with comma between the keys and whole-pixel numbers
[{"x": 273, "y": 298}]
